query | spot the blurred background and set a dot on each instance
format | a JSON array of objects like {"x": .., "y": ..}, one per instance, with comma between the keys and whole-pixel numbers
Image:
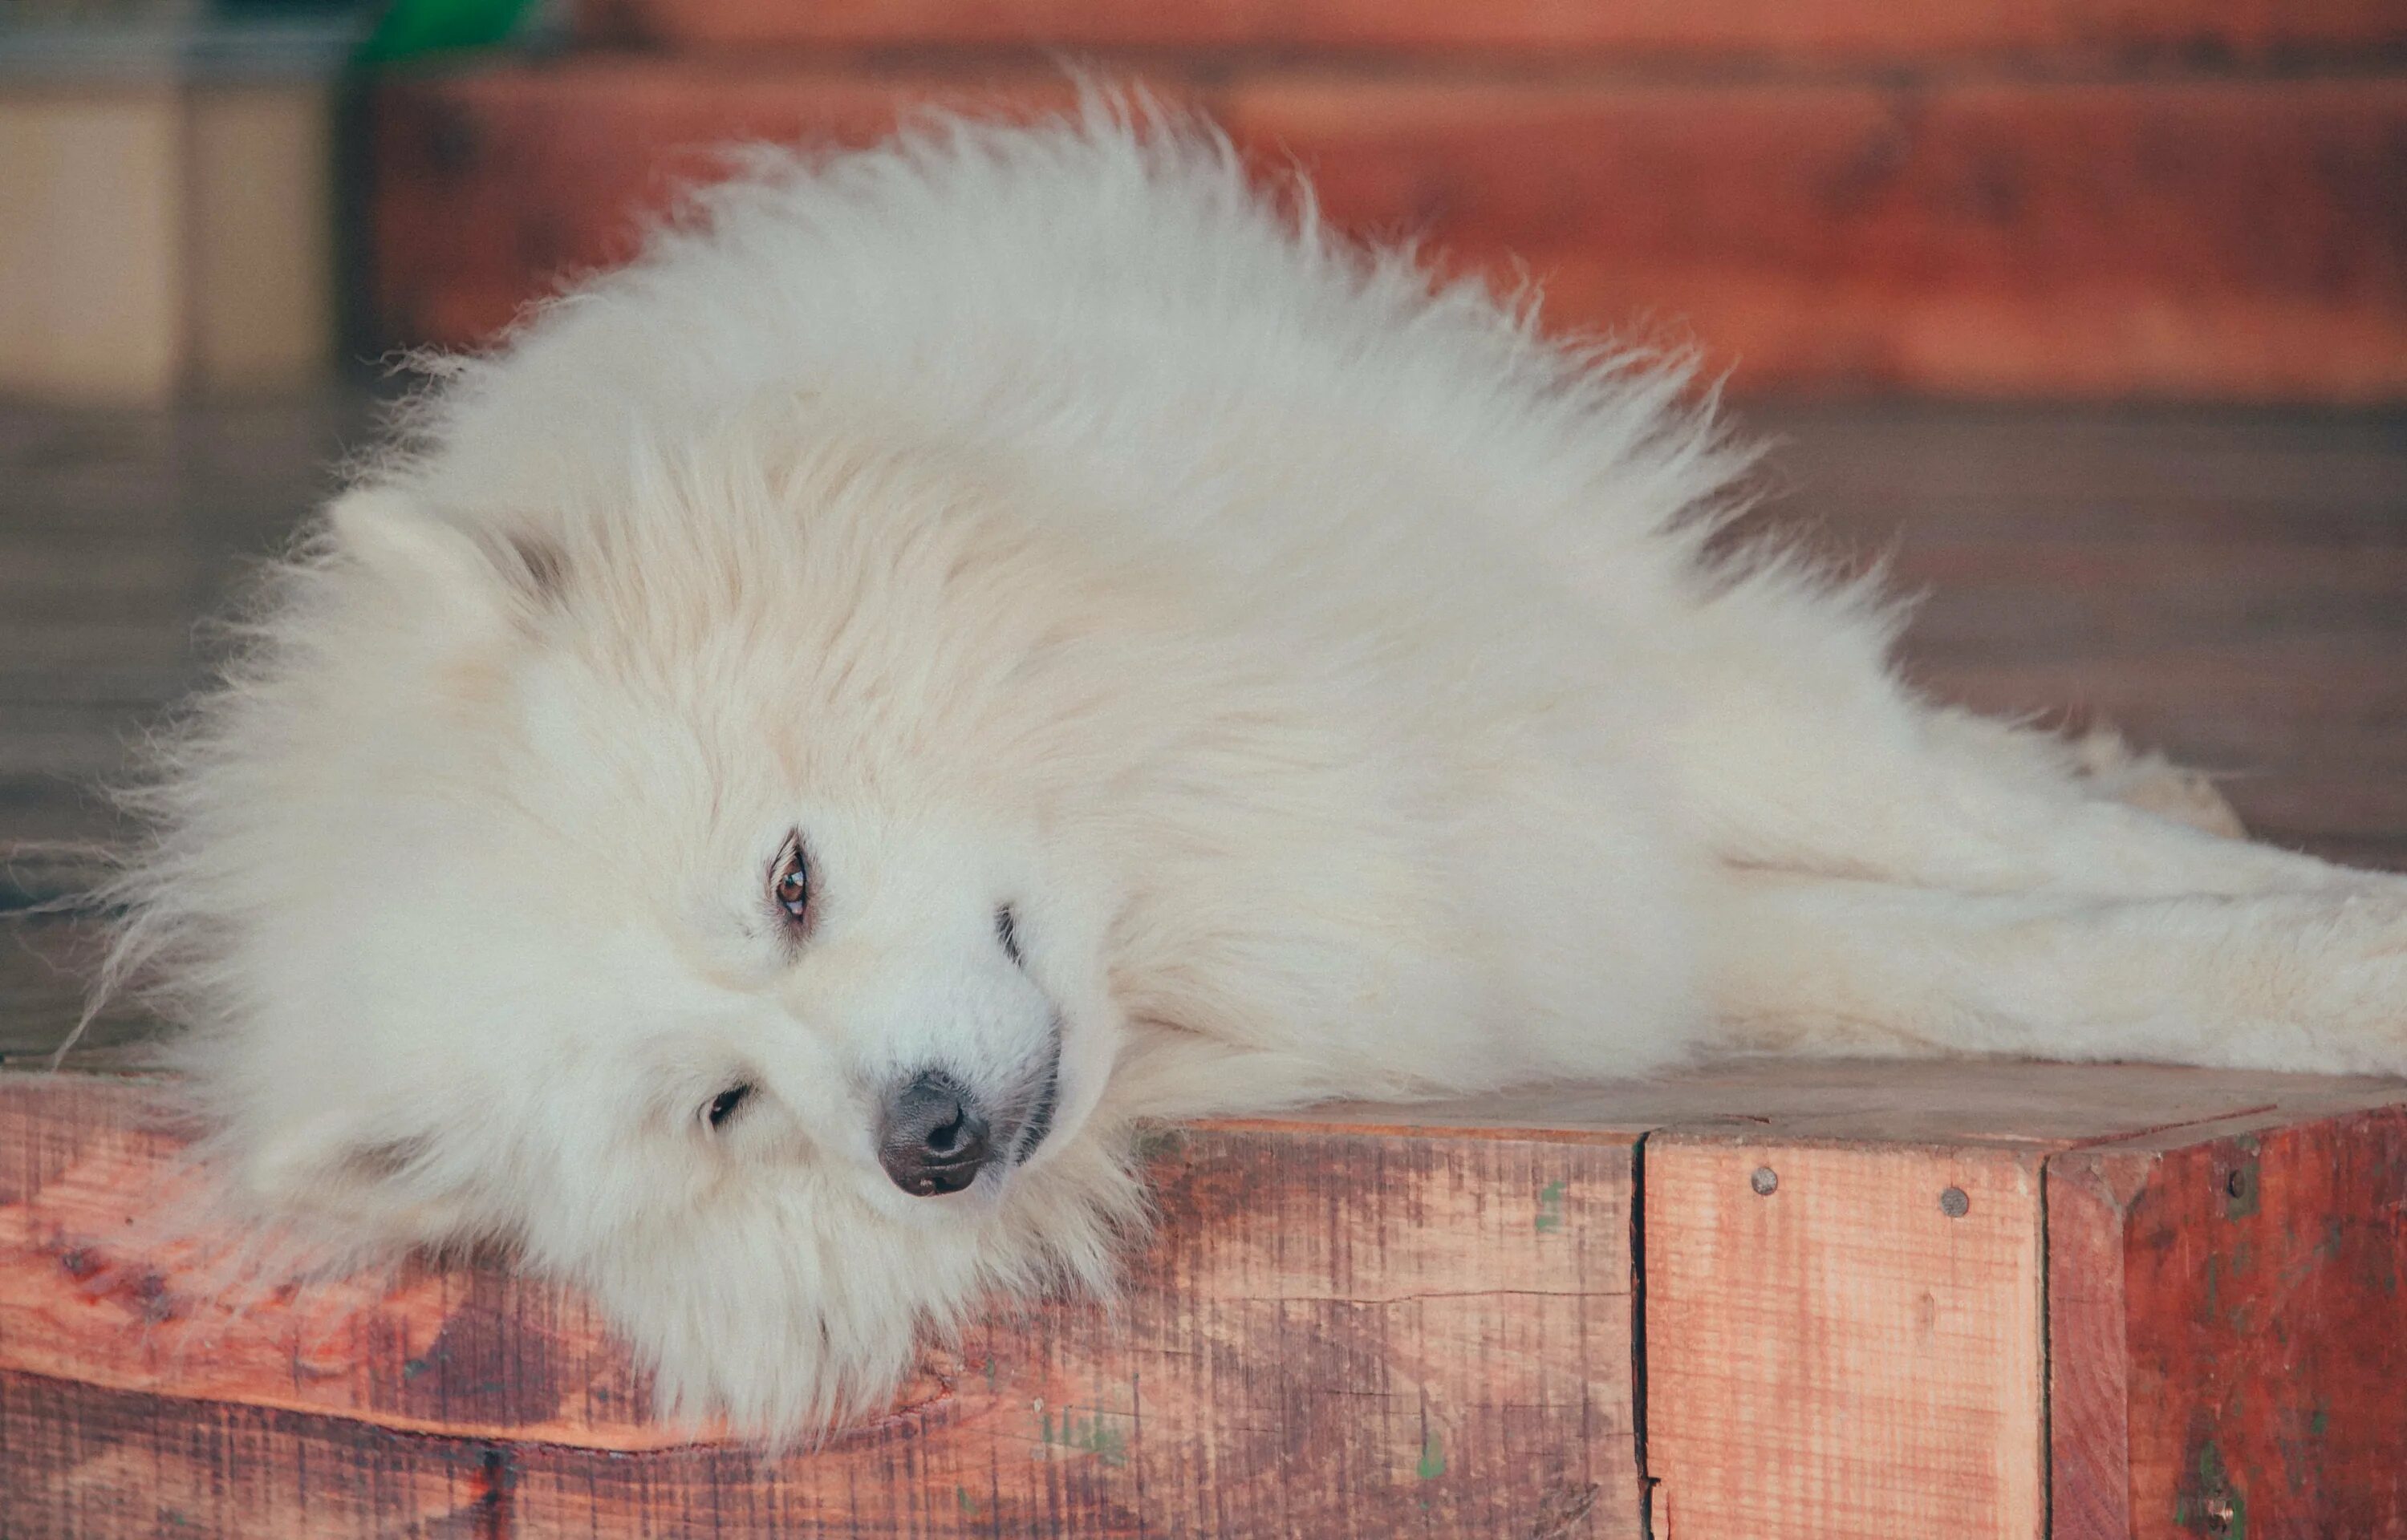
[{"x": 2090, "y": 314}]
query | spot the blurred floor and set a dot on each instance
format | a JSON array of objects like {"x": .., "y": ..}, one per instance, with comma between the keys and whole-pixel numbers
[{"x": 2230, "y": 587}]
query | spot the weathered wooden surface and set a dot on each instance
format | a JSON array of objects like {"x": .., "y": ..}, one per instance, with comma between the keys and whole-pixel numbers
[
  {"x": 1368, "y": 1320},
  {"x": 2154, "y": 570},
  {"x": 1962, "y": 236},
  {"x": 2095, "y": 240},
  {"x": 1748, "y": 29},
  {"x": 1996, "y": 1300},
  {"x": 1831, "y": 1353},
  {"x": 1444, "y": 1351},
  {"x": 119, "y": 530},
  {"x": 2226, "y": 1309}
]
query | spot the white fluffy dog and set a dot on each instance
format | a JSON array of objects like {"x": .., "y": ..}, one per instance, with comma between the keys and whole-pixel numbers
[{"x": 967, "y": 647}]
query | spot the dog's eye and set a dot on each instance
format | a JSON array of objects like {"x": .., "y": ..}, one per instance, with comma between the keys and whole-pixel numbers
[
  {"x": 790, "y": 886},
  {"x": 1006, "y": 930},
  {"x": 724, "y": 1105}
]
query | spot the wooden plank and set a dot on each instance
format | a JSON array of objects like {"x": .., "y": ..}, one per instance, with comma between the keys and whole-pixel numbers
[
  {"x": 54, "y": 817},
  {"x": 2099, "y": 240},
  {"x": 1858, "y": 1351},
  {"x": 79, "y": 1460},
  {"x": 1948, "y": 472},
  {"x": 1360, "y": 1321},
  {"x": 1923, "y": 1103},
  {"x": 46, "y": 969},
  {"x": 2088, "y": 1374},
  {"x": 1847, "y": 29},
  {"x": 2148, "y": 571},
  {"x": 2211, "y": 239},
  {"x": 2232, "y": 710},
  {"x": 2218, "y": 1291},
  {"x": 1447, "y": 1352},
  {"x": 491, "y": 186},
  {"x": 1844, "y": 1340},
  {"x": 2224, "y": 1315}
]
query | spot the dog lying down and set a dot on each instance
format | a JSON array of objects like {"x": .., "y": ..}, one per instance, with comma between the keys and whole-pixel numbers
[{"x": 967, "y": 648}]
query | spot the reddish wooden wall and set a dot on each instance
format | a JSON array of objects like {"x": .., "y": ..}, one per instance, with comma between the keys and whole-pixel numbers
[
  {"x": 1827, "y": 29},
  {"x": 2180, "y": 198}
]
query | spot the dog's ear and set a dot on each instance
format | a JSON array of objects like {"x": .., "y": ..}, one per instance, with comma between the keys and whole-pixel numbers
[
  {"x": 328, "y": 1172},
  {"x": 499, "y": 572}
]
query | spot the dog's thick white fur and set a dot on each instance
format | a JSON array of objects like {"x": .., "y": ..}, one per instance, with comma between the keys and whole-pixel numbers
[{"x": 1326, "y": 674}]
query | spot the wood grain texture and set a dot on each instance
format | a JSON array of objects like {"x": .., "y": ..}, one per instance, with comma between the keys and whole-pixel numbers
[
  {"x": 89, "y": 1464},
  {"x": 1841, "y": 1356},
  {"x": 2010, "y": 1102},
  {"x": 1445, "y": 1351},
  {"x": 1362, "y": 1320},
  {"x": 2205, "y": 238},
  {"x": 2089, "y": 1372},
  {"x": 46, "y": 965},
  {"x": 2087, "y": 240},
  {"x": 2225, "y": 1313},
  {"x": 493, "y": 187},
  {"x": 1846, "y": 28}
]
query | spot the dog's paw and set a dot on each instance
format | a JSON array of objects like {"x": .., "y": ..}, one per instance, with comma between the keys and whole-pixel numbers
[{"x": 2152, "y": 783}]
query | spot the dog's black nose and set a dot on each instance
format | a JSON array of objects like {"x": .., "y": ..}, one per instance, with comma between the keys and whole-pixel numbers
[{"x": 934, "y": 1136}]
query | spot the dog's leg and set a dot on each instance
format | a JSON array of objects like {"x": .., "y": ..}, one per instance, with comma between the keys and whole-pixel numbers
[
  {"x": 2293, "y": 980},
  {"x": 1797, "y": 747},
  {"x": 2101, "y": 765},
  {"x": 1933, "y": 804}
]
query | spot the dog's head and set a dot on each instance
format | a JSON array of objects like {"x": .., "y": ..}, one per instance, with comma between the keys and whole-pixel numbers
[{"x": 693, "y": 893}]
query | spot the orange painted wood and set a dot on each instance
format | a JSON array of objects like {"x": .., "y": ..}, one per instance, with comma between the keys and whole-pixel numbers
[
  {"x": 1364, "y": 1321},
  {"x": 1851, "y": 29},
  {"x": 2208, "y": 239},
  {"x": 1833, "y": 1354},
  {"x": 1335, "y": 1333},
  {"x": 2226, "y": 1309},
  {"x": 1856, "y": 1353},
  {"x": 91, "y": 1290}
]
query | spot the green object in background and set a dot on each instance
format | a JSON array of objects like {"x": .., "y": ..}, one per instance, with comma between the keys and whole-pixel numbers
[{"x": 411, "y": 28}]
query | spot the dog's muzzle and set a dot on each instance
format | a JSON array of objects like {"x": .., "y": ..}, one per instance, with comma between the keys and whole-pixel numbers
[{"x": 934, "y": 1137}]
